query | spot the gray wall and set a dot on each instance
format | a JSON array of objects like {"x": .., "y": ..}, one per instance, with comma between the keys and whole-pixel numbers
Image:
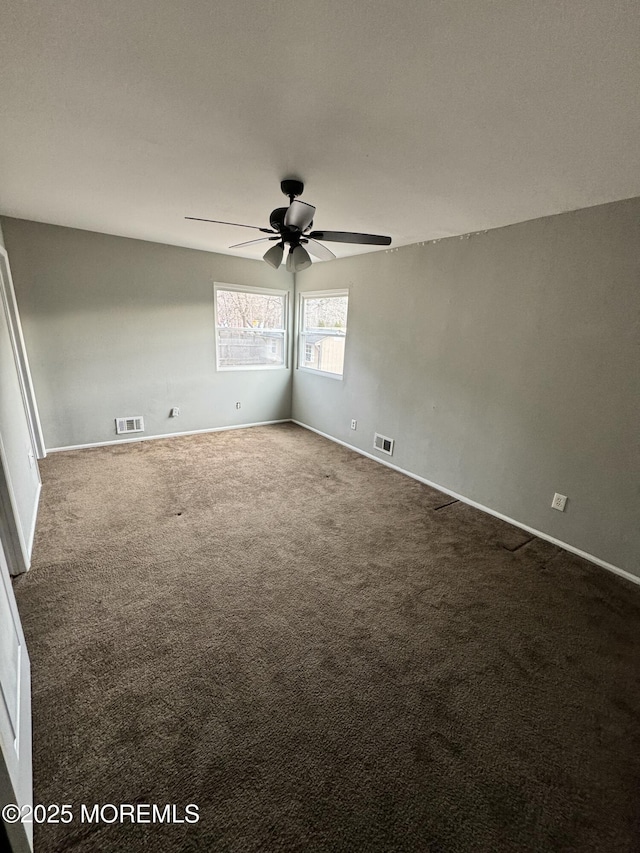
[
  {"x": 507, "y": 367},
  {"x": 118, "y": 327}
]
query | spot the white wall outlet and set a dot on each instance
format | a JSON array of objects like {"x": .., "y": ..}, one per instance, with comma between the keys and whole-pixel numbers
[
  {"x": 354, "y": 424},
  {"x": 175, "y": 412},
  {"x": 559, "y": 502},
  {"x": 238, "y": 405}
]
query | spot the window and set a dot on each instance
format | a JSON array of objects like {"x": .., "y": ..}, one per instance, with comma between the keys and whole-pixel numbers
[
  {"x": 323, "y": 331},
  {"x": 251, "y": 331}
]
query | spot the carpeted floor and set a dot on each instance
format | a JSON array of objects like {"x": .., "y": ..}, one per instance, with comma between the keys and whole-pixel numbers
[{"x": 322, "y": 656}]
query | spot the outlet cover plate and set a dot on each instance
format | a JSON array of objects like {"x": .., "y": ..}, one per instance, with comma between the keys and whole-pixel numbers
[{"x": 559, "y": 502}]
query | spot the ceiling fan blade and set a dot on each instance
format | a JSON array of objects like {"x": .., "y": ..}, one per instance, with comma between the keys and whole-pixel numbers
[
  {"x": 350, "y": 237},
  {"x": 299, "y": 215},
  {"x": 318, "y": 250},
  {"x": 238, "y": 224},
  {"x": 251, "y": 242}
]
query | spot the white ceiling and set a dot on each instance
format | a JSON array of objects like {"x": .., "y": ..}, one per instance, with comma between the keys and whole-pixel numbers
[{"x": 418, "y": 119}]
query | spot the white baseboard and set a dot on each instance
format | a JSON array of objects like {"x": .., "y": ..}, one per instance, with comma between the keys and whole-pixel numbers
[
  {"x": 598, "y": 562},
  {"x": 167, "y": 435}
]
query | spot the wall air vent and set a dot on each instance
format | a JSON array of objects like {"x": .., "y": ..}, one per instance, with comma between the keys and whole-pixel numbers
[
  {"x": 129, "y": 425},
  {"x": 383, "y": 444}
]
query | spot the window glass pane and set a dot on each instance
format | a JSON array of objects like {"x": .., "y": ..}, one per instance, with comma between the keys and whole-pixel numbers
[
  {"x": 243, "y": 348},
  {"x": 250, "y": 329},
  {"x": 250, "y": 310},
  {"x": 326, "y": 312},
  {"x": 323, "y": 334}
]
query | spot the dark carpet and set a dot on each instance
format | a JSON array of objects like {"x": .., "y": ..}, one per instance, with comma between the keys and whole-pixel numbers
[{"x": 322, "y": 656}]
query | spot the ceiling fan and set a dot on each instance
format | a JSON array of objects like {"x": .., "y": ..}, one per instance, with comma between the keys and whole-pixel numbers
[{"x": 291, "y": 226}]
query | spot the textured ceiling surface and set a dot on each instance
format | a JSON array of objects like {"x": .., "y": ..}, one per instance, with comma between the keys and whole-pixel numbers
[{"x": 419, "y": 120}]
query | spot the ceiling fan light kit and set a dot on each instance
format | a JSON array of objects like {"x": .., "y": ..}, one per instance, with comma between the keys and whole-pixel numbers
[
  {"x": 273, "y": 256},
  {"x": 299, "y": 258},
  {"x": 292, "y": 226}
]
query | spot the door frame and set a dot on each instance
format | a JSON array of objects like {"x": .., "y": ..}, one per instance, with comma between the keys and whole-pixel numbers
[
  {"x": 8, "y": 296},
  {"x": 17, "y": 540}
]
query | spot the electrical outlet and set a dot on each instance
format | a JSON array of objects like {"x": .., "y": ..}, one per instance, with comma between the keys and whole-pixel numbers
[
  {"x": 174, "y": 412},
  {"x": 559, "y": 502},
  {"x": 354, "y": 424},
  {"x": 238, "y": 405}
]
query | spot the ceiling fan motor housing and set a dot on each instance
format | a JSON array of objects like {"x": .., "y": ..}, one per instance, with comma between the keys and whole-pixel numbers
[{"x": 276, "y": 220}]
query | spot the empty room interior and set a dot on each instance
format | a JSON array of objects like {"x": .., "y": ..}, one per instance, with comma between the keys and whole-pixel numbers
[{"x": 319, "y": 407}]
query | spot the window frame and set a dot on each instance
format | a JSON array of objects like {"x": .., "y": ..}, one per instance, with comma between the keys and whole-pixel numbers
[
  {"x": 261, "y": 291},
  {"x": 301, "y": 336}
]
